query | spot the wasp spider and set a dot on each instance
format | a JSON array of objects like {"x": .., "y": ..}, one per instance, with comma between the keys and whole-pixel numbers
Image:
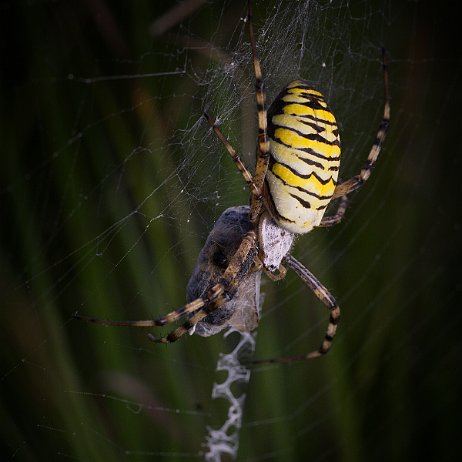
[{"x": 296, "y": 178}]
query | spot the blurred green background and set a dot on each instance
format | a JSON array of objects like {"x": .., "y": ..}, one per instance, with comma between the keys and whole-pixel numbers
[{"x": 110, "y": 182}]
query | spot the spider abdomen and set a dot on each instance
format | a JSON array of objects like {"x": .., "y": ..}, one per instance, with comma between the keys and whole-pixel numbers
[{"x": 304, "y": 157}]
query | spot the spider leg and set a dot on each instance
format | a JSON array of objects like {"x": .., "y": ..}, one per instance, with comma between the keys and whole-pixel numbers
[
  {"x": 326, "y": 297},
  {"x": 254, "y": 189},
  {"x": 198, "y": 305},
  {"x": 358, "y": 180},
  {"x": 261, "y": 165},
  {"x": 167, "y": 319},
  {"x": 257, "y": 194},
  {"x": 255, "y": 183},
  {"x": 239, "y": 266},
  {"x": 338, "y": 217},
  {"x": 174, "y": 335}
]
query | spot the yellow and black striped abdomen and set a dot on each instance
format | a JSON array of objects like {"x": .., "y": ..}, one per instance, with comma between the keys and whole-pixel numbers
[{"x": 304, "y": 158}]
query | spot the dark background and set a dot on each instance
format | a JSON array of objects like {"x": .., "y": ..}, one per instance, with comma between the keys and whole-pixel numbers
[{"x": 103, "y": 213}]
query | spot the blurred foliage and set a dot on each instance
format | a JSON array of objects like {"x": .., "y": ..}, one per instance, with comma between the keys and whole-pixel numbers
[{"x": 80, "y": 156}]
